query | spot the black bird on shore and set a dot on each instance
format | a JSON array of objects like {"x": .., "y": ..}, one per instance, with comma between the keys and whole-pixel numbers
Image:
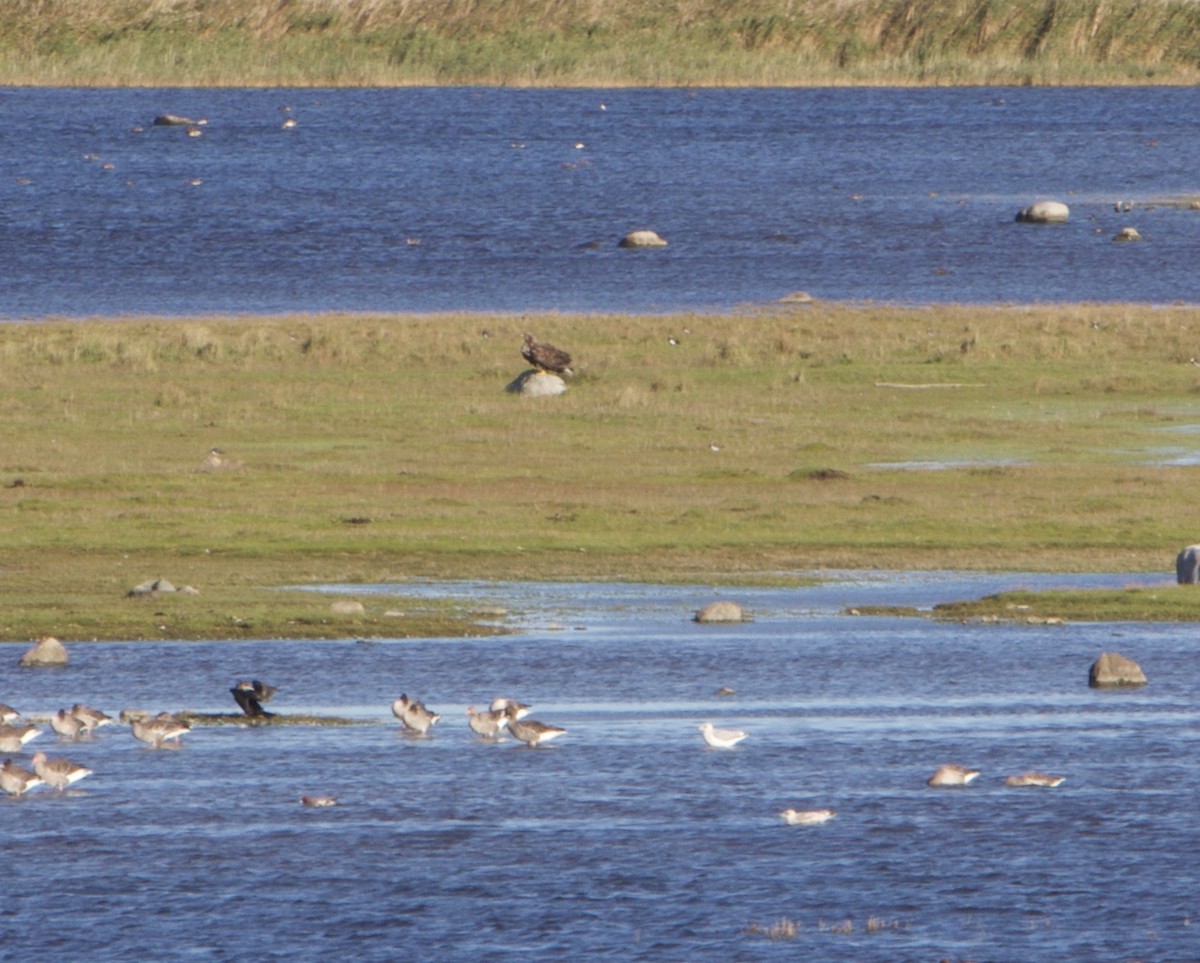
[{"x": 251, "y": 695}]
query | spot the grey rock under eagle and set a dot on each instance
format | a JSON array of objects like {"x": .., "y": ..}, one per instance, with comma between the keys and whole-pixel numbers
[{"x": 545, "y": 357}]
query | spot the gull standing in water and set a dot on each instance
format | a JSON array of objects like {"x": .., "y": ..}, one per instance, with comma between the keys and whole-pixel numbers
[
  {"x": 14, "y": 780},
  {"x": 58, "y": 773},
  {"x": 501, "y": 703},
  {"x": 12, "y": 738},
  {"x": 91, "y": 719},
  {"x": 487, "y": 723},
  {"x": 951, "y": 775},
  {"x": 807, "y": 817},
  {"x": 159, "y": 730},
  {"x": 531, "y": 732},
  {"x": 1034, "y": 779},
  {"x": 414, "y": 715},
  {"x": 721, "y": 738},
  {"x": 66, "y": 725}
]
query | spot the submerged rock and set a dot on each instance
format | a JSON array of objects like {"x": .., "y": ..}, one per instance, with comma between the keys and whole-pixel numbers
[
  {"x": 722, "y": 611},
  {"x": 1044, "y": 212}
]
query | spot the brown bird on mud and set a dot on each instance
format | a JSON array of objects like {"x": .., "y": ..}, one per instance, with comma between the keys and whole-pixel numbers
[{"x": 545, "y": 357}]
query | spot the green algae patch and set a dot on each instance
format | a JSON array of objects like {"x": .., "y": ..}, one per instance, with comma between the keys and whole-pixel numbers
[
  {"x": 1167, "y": 604},
  {"x": 275, "y": 719}
]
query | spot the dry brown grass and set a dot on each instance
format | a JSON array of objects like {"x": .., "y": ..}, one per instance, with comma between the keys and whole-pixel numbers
[{"x": 621, "y": 42}]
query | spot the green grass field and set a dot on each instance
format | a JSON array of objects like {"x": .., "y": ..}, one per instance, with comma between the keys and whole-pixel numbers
[{"x": 378, "y": 449}]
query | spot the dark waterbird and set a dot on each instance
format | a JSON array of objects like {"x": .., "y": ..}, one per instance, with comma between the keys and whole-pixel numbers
[{"x": 251, "y": 695}]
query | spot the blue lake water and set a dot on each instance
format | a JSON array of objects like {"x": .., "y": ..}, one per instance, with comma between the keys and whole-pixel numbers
[
  {"x": 627, "y": 838},
  {"x": 514, "y": 200}
]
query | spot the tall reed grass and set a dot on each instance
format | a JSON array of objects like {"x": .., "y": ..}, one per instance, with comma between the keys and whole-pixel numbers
[{"x": 594, "y": 43}]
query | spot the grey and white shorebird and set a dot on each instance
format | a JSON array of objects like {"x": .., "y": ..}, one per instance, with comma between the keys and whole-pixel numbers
[
  {"x": 16, "y": 781},
  {"x": 487, "y": 723},
  {"x": 66, "y": 725},
  {"x": 951, "y": 775},
  {"x": 8, "y": 714},
  {"x": 12, "y": 738},
  {"x": 501, "y": 703},
  {"x": 159, "y": 730},
  {"x": 1034, "y": 779},
  {"x": 530, "y": 731},
  {"x": 414, "y": 715},
  {"x": 91, "y": 719},
  {"x": 721, "y": 738},
  {"x": 59, "y": 772},
  {"x": 807, "y": 817}
]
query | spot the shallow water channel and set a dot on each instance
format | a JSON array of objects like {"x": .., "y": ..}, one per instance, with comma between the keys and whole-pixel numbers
[{"x": 628, "y": 838}]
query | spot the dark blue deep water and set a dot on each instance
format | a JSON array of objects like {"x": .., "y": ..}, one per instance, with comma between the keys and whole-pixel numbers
[
  {"x": 627, "y": 838},
  {"x": 514, "y": 200}
]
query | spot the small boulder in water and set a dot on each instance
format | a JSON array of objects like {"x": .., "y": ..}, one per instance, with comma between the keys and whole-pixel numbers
[
  {"x": 1113, "y": 669},
  {"x": 48, "y": 652},
  {"x": 642, "y": 239},
  {"x": 723, "y": 611},
  {"x": 1044, "y": 212}
]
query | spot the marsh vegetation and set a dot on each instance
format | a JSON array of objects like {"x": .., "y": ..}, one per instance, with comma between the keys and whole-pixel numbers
[{"x": 619, "y": 43}]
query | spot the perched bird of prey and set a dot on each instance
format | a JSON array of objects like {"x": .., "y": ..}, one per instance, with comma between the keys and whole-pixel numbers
[
  {"x": 251, "y": 695},
  {"x": 545, "y": 357}
]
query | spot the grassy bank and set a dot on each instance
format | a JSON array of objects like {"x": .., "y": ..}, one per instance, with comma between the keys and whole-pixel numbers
[
  {"x": 375, "y": 449},
  {"x": 611, "y": 43}
]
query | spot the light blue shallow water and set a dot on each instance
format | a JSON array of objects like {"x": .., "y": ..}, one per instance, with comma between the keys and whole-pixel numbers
[
  {"x": 627, "y": 838},
  {"x": 480, "y": 199}
]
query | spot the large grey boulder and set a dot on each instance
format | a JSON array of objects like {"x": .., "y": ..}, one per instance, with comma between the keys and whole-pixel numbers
[
  {"x": 1044, "y": 212},
  {"x": 1187, "y": 566},
  {"x": 537, "y": 384},
  {"x": 48, "y": 652},
  {"x": 1113, "y": 669},
  {"x": 723, "y": 611}
]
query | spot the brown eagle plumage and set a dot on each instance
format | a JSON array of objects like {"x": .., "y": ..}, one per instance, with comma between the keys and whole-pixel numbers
[{"x": 545, "y": 357}]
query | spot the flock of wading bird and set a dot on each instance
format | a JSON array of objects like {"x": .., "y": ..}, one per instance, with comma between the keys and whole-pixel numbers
[{"x": 503, "y": 716}]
